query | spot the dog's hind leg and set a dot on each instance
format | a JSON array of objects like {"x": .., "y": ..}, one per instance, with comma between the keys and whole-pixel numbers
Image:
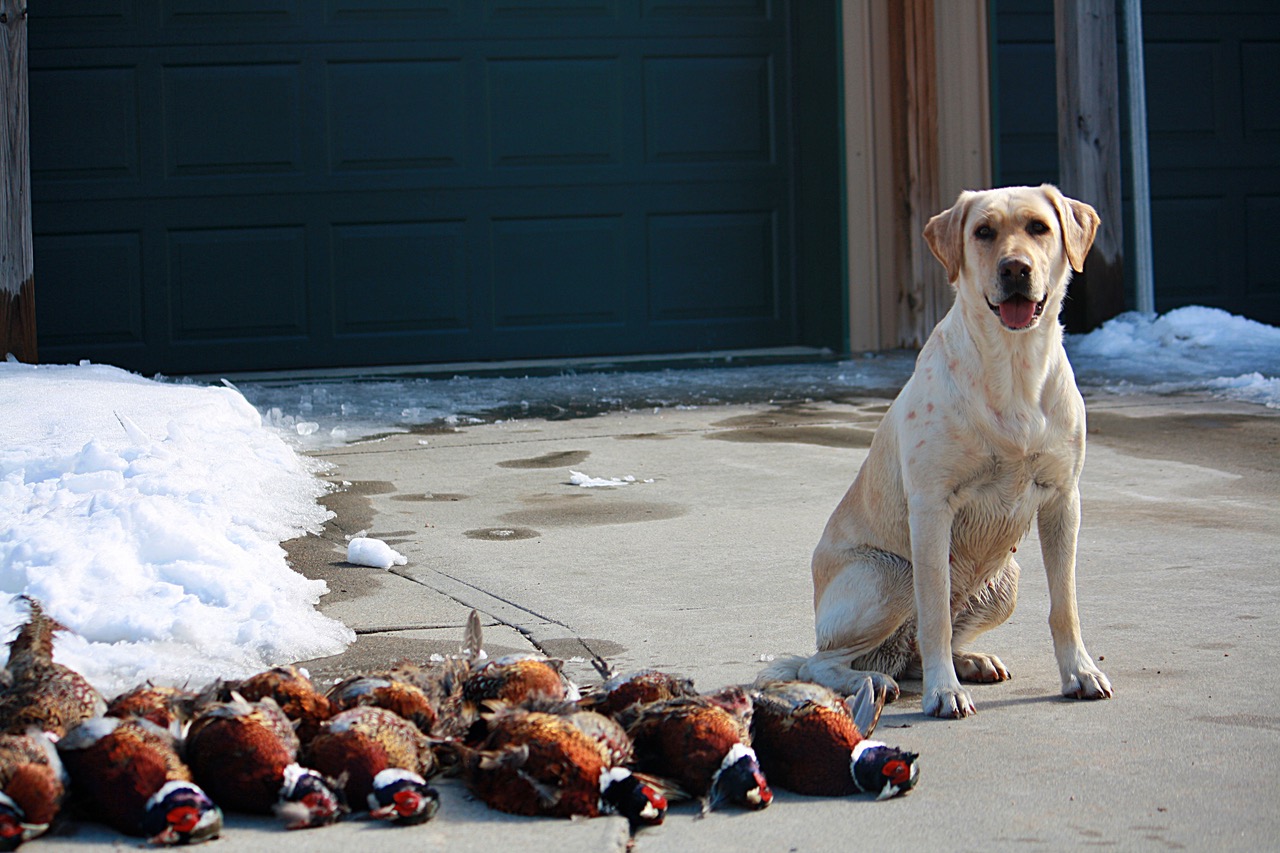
[
  {"x": 862, "y": 625},
  {"x": 990, "y": 606}
]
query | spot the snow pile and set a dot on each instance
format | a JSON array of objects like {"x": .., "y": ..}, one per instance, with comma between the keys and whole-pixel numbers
[
  {"x": 364, "y": 551},
  {"x": 147, "y": 517},
  {"x": 1187, "y": 349}
]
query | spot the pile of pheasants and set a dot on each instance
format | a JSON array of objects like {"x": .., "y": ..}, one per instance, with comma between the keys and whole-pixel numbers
[{"x": 162, "y": 763}]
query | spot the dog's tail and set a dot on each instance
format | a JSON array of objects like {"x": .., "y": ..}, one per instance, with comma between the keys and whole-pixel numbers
[{"x": 782, "y": 668}]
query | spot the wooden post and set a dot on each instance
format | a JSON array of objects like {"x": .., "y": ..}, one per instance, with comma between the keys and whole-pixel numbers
[
  {"x": 925, "y": 295},
  {"x": 1089, "y": 151},
  {"x": 17, "y": 281}
]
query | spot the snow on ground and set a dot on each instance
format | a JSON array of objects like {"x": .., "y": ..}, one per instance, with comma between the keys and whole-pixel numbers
[
  {"x": 1187, "y": 349},
  {"x": 148, "y": 515}
]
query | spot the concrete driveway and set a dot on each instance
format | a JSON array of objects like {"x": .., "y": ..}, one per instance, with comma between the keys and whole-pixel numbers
[{"x": 700, "y": 566}]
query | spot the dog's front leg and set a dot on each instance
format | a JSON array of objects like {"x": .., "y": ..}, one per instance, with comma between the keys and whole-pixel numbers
[
  {"x": 930, "y": 519},
  {"x": 1059, "y": 524}
]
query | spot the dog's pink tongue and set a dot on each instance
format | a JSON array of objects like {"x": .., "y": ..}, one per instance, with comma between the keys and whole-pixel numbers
[{"x": 1016, "y": 312}]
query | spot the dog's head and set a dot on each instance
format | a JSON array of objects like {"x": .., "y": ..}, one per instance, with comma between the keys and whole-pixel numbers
[{"x": 1011, "y": 250}]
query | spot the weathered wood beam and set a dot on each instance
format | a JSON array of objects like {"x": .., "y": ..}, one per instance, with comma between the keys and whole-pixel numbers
[
  {"x": 17, "y": 281},
  {"x": 925, "y": 295},
  {"x": 1089, "y": 151}
]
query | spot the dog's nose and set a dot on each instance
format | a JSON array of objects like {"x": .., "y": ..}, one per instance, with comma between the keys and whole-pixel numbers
[{"x": 1015, "y": 270}]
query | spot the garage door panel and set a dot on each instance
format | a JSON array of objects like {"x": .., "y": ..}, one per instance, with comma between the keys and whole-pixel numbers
[
  {"x": 109, "y": 311},
  {"x": 707, "y": 8},
  {"x": 1261, "y": 109},
  {"x": 563, "y": 111},
  {"x": 1262, "y": 224},
  {"x": 102, "y": 104},
  {"x": 226, "y": 119},
  {"x": 237, "y": 283},
  {"x": 705, "y": 266},
  {"x": 558, "y": 271},
  {"x": 231, "y": 12},
  {"x": 709, "y": 108},
  {"x": 382, "y": 11},
  {"x": 557, "y": 10},
  {"x": 386, "y": 114},
  {"x": 398, "y": 276}
]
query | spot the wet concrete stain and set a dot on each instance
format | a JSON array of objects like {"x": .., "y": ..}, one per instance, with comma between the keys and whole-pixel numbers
[
  {"x": 644, "y": 436},
  {"x": 502, "y": 534},
  {"x": 431, "y": 497},
  {"x": 556, "y": 459},
  {"x": 793, "y": 414},
  {"x": 324, "y": 557},
  {"x": 799, "y": 423},
  {"x": 565, "y": 648},
  {"x": 842, "y": 437},
  {"x": 1248, "y": 445},
  {"x": 588, "y": 510}
]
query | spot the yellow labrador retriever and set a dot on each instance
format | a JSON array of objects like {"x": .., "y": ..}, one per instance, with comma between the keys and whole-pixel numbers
[{"x": 986, "y": 436}]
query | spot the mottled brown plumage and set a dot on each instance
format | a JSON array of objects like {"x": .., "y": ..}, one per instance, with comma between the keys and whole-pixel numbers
[
  {"x": 127, "y": 774},
  {"x": 292, "y": 689},
  {"x": 642, "y": 687},
  {"x": 515, "y": 678},
  {"x": 31, "y": 787},
  {"x": 365, "y": 740},
  {"x": 168, "y": 707},
  {"x": 813, "y": 741},
  {"x": 238, "y": 751},
  {"x": 538, "y": 763},
  {"x": 245, "y": 755},
  {"x": 700, "y": 748},
  {"x": 385, "y": 690},
  {"x": 41, "y": 692}
]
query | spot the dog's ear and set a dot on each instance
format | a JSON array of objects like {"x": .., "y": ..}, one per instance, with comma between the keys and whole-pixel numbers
[
  {"x": 1079, "y": 225},
  {"x": 945, "y": 236}
]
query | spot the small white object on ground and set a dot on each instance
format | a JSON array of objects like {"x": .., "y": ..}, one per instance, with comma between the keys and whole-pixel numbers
[
  {"x": 364, "y": 551},
  {"x": 577, "y": 478}
]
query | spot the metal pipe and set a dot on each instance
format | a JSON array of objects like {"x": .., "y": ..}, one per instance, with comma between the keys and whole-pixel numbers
[{"x": 1140, "y": 189}]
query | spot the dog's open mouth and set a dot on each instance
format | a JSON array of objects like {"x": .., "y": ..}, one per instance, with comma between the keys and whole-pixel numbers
[{"x": 1018, "y": 312}]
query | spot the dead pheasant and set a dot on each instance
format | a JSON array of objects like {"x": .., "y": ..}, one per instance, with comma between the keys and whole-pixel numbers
[
  {"x": 40, "y": 692},
  {"x": 291, "y": 688},
  {"x": 385, "y": 691},
  {"x": 245, "y": 755},
  {"x": 539, "y": 763},
  {"x": 31, "y": 787},
  {"x": 645, "y": 686},
  {"x": 361, "y": 745},
  {"x": 168, "y": 707},
  {"x": 813, "y": 741},
  {"x": 700, "y": 746},
  {"x": 127, "y": 774}
]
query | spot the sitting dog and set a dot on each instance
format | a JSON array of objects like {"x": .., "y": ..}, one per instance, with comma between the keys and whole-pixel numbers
[{"x": 986, "y": 436}]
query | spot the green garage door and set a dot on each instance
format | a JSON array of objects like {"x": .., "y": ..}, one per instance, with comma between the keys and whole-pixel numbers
[
  {"x": 250, "y": 184},
  {"x": 1214, "y": 132}
]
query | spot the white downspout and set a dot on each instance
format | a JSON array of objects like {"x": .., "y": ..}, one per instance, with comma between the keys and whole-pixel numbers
[{"x": 1143, "y": 277}]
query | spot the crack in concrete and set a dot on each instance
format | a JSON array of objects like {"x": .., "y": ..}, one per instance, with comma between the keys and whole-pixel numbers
[{"x": 494, "y": 613}]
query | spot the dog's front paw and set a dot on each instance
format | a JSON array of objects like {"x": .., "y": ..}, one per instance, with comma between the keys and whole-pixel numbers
[
  {"x": 951, "y": 702},
  {"x": 1087, "y": 682}
]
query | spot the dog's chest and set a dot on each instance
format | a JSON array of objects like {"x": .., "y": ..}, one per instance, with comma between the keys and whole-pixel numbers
[{"x": 995, "y": 506}]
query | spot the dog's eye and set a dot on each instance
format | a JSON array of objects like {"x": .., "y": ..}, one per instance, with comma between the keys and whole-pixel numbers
[
  {"x": 985, "y": 232},
  {"x": 1037, "y": 227}
]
